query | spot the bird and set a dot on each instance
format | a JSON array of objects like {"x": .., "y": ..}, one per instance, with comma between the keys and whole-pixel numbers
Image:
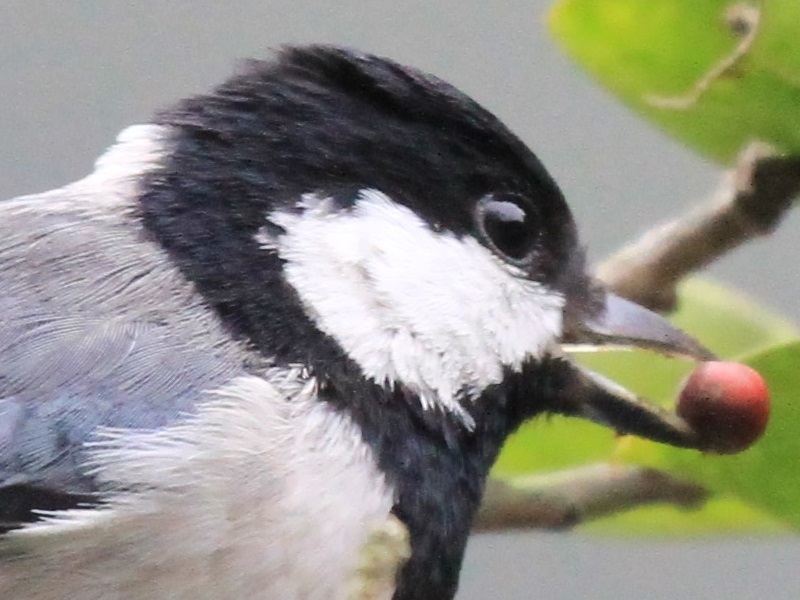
[{"x": 320, "y": 295}]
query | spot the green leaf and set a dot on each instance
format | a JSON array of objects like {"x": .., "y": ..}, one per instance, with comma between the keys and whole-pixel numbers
[
  {"x": 653, "y": 52},
  {"x": 766, "y": 476},
  {"x": 727, "y": 322}
]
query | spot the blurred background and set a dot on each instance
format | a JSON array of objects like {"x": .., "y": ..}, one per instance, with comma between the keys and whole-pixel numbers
[{"x": 73, "y": 74}]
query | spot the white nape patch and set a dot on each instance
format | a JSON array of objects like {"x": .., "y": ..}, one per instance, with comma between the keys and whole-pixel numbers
[
  {"x": 114, "y": 183},
  {"x": 264, "y": 493},
  {"x": 136, "y": 150},
  {"x": 439, "y": 314}
]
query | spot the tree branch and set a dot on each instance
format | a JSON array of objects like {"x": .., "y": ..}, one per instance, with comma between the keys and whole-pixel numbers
[
  {"x": 568, "y": 498},
  {"x": 750, "y": 202}
]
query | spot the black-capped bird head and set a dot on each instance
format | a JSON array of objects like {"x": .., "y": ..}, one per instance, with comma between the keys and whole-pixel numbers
[
  {"x": 373, "y": 223},
  {"x": 379, "y": 231}
]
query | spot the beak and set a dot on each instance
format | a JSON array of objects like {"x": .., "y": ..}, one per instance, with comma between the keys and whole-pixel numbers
[{"x": 618, "y": 323}]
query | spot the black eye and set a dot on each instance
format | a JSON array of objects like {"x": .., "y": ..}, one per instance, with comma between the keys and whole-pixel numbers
[{"x": 509, "y": 224}]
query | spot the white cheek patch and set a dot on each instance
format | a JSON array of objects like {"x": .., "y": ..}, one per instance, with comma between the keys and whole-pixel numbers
[{"x": 439, "y": 314}]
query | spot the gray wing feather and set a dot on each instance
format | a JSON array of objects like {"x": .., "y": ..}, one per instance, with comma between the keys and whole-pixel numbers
[
  {"x": 97, "y": 330},
  {"x": 61, "y": 381}
]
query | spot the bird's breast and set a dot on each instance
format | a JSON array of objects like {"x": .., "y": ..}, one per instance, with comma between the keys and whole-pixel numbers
[{"x": 264, "y": 493}]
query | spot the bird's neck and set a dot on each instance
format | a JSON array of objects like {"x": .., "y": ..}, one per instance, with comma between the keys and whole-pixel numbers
[
  {"x": 437, "y": 467},
  {"x": 438, "y": 470}
]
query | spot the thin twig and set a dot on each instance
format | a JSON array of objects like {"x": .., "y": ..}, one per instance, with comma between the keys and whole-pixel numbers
[
  {"x": 750, "y": 202},
  {"x": 568, "y": 498}
]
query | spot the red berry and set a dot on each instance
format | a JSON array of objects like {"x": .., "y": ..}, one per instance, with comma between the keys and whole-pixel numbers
[{"x": 727, "y": 404}]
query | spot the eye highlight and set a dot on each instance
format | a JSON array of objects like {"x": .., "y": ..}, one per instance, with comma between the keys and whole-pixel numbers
[{"x": 509, "y": 225}]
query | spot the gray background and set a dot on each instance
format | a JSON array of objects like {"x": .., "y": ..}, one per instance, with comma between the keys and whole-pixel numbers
[{"x": 74, "y": 73}]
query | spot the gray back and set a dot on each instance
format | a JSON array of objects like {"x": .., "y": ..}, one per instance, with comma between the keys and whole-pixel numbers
[{"x": 97, "y": 328}]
